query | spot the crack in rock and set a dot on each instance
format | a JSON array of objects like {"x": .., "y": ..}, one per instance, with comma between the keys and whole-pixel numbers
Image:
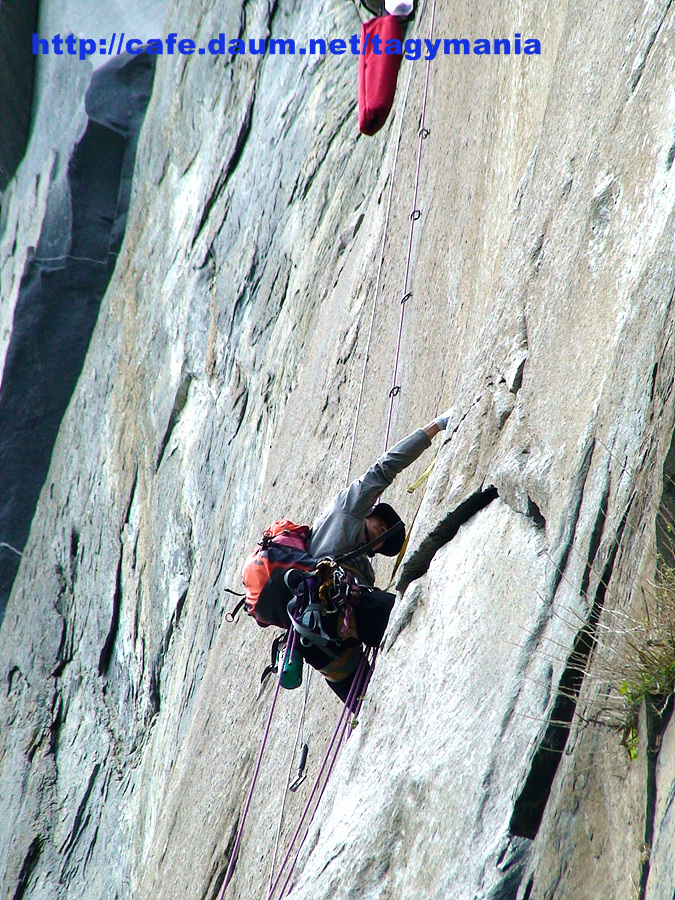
[
  {"x": 420, "y": 560},
  {"x": 528, "y": 810}
]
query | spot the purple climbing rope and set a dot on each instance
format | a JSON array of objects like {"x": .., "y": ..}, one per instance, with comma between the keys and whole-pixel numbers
[
  {"x": 290, "y": 644},
  {"x": 354, "y": 690},
  {"x": 363, "y": 678},
  {"x": 414, "y": 216}
]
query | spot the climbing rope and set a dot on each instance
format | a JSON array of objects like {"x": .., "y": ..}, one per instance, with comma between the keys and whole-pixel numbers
[
  {"x": 6, "y": 546},
  {"x": 407, "y": 295},
  {"x": 299, "y": 742},
  {"x": 290, "y": 644},
  {"x": 360, "y": 687},
  {"x": 423, "y": 134},
  {"x": 379, "y": 276},
  {"x": 328, "y": 762}
]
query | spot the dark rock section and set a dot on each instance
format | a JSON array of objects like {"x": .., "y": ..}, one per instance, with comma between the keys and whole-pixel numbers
[
  {"x": 27, "y": 868},
  {"x": 658, "y": 709},
  {"x": 421, "y": 560},
  {"x": 512, "y": 867},
  {"x": 18, "y": 21},
  {"x": 571, "y": 518},
  {"x": 529, "y": 808},
  {"x": 61, "y": 291}
]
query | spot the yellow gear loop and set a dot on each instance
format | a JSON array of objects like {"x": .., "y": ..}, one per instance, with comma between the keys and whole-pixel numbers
[
  {"x": 423, "y": 477},
  {"x": 413, "y": 487}
]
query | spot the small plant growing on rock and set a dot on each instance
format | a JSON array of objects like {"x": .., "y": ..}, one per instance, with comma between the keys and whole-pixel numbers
[{"x": 649, "y": 675}]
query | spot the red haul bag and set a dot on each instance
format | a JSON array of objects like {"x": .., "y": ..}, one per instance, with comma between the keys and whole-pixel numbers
[{"x": 377, "y": 72}]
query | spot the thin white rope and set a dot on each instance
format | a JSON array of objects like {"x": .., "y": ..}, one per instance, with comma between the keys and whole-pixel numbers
[
  {"x": 379, "y": 274},
  {"x": 9, "y": 547},
  {"x": 53, "y": 259},
  {"x": 299, "y": 741}
]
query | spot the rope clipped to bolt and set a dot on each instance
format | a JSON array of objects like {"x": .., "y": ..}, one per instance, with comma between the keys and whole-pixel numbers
[
  {"x": 364, "y": 672},
  {"x": 415, "y": 215}
]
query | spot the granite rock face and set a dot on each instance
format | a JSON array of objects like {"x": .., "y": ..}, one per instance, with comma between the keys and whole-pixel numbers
[
  {"x": 239, "y": 371},
  {"x": 62, "y": 224},
  {"x": 61, "y": 289}
]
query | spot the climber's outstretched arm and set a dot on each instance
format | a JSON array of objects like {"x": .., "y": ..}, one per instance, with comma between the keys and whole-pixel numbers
[{"x": 359, "y": 497}]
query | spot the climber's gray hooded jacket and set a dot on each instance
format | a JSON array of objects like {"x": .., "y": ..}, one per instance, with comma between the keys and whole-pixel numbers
[{"x": 341, "y": 527}]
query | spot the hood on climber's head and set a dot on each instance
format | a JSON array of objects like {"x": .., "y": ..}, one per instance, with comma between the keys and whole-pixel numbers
[{"x": 391, "y": 519}]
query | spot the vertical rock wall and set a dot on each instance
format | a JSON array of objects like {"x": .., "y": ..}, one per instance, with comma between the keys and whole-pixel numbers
[
  {"x": 62, "y": 223},
  {"x": 61, "y": 289},
  {"x": 219, "y": 392}
]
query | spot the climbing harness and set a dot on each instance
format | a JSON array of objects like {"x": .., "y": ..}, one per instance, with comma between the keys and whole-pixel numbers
[
  {"x": 322, "y": 611},
  {"x": 306, "y": 613}
]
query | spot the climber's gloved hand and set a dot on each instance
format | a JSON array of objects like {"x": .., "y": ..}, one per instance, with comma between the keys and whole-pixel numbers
[
  {"x": 443, "y": 419},
  {"x": 440, "y": 423}
]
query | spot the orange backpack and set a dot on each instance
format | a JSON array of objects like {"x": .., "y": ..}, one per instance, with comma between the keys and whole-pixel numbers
[{"x": 284, "y": 546}]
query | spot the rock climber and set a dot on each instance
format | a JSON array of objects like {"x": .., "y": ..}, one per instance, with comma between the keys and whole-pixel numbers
[{"x": 351, "y": 520}]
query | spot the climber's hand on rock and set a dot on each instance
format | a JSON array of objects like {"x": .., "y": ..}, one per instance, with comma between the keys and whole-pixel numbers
[
  {"x": 444, "y": 418},
  {"x": 440, "y": 423}
]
